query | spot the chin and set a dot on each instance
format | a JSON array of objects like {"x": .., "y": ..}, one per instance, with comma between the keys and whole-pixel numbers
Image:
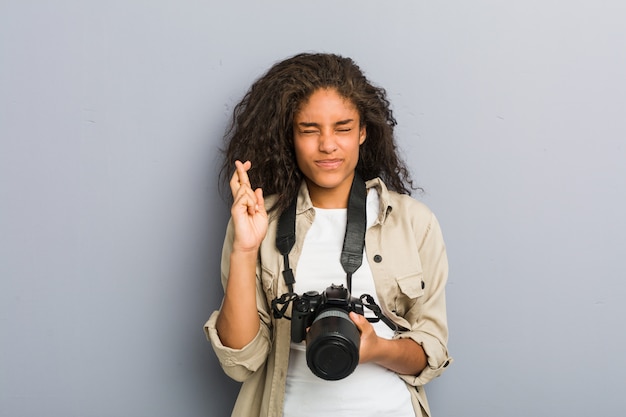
[{"x": 328, "y": 181}]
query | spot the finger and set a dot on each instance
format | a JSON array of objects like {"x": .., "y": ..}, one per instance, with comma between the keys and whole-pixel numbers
[
  {"x": 245, "y": 198},
  {"x": 260, "y": 201},
  {"x": 234, "y": 183},
  {"x": 240, "y": 177},
  {"x": 242, "y": 172},
  {"x": 357, "y": 319},
  {"x": 253, "y": 204}
]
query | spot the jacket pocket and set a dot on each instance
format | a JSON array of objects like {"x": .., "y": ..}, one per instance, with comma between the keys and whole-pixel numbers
[{"x": 410, "y": 289}]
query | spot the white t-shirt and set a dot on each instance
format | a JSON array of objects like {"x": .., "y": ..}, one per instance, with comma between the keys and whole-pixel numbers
[{"x": 371, "y": 390}]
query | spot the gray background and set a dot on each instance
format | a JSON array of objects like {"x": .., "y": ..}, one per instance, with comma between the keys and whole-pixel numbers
[{"x": 511, "y": 116}]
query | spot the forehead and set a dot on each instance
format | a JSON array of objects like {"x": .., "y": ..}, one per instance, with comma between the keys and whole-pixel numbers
[{"x": 325, "y": 102}]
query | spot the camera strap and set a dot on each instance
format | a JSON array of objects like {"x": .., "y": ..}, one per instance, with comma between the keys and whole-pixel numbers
[
  {"x": 353, "y": 242},
  {"x": 286, "y": 238}
]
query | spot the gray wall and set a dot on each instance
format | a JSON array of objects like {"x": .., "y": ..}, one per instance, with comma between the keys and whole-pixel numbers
[{"x": 511, "y": 115}]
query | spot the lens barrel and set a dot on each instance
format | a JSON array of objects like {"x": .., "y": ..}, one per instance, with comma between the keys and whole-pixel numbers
[{"x": 333, "y": 342}]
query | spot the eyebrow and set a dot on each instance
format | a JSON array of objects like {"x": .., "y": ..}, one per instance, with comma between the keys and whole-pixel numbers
[{"x": 314, "y": 124}]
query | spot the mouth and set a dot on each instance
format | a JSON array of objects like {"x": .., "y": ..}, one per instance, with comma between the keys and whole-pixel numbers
[{"x": 328, "y": 163}]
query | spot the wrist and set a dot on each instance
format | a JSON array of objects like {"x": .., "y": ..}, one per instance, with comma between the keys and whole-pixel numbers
[
  {"x": 379, "y": 350},
  {"x": 240, "y": 253}
]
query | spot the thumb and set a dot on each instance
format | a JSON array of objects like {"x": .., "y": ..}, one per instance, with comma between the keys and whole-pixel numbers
[{"x": 358, "y": 320}]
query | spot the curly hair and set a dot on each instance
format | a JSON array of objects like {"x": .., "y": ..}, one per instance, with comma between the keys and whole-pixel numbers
[{"x": 261, "y": 129}]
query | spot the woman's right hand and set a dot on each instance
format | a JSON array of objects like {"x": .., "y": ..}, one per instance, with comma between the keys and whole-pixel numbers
[{"x": 248, "y": 210}]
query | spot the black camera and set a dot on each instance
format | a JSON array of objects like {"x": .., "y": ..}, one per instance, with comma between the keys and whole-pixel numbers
[{"x": 333, "y": 340}]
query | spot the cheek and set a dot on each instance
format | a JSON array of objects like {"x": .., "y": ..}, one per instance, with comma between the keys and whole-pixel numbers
[
  {"x": 355, "y": 149},
  {"x": 303, "y": 148}
]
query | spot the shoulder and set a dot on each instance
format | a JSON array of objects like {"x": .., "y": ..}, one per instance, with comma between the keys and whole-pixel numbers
[
  {"x": 406, "y": 202},
  {"x": 409, "y": 214},
  {"x": 396, "y": 205}
]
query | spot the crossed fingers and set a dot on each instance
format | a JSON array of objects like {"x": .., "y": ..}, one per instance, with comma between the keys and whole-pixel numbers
[{"x": 241, "y": 188}]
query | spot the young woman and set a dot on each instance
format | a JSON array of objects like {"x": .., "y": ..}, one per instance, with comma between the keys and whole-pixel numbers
[{"x": 305, "y": 138}]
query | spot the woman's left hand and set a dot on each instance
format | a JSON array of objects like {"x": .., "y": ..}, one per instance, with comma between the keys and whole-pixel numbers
[
  {"x": 403, "y": 356},
  {"x": 369, "y": 338}
]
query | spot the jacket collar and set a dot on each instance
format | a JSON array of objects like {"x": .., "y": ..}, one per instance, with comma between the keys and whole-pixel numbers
[
  {"x": 305, "y": 204},
  {"x": 384, "y": 197},
  {"x": 304, "y": 199}
]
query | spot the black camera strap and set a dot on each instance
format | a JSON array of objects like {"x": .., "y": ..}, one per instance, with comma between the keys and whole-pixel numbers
[
  {"x": 354, "y": 239},
  {"x": 286, "y": 238},
  {"x": 353, "y": 242}
]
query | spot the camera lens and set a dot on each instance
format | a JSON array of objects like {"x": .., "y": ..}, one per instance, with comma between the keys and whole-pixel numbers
[{"x": 333, "y": 342}]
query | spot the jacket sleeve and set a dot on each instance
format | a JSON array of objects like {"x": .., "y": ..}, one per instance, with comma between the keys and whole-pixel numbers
[
  {"x": 240, "y": 364},
  {"x": 430, "y": 328}
]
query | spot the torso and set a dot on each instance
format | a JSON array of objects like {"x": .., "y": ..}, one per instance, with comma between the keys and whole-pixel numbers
[{"x": 370, "y": 389}]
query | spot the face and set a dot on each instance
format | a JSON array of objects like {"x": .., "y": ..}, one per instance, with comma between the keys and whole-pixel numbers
[{"x": 327, "y": 136}]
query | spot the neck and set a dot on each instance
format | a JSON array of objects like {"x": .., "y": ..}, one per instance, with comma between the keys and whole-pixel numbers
[{"x": 329, "y": 198}]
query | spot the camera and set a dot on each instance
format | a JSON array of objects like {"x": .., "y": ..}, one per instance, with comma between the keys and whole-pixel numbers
[{"x": 332, "y": 339}]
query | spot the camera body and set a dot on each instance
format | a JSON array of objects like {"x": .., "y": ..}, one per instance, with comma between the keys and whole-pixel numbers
[{"x": 333, "y": 340}]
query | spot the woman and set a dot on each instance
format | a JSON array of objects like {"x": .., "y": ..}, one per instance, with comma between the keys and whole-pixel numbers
[{"x": 306, "y": 135}]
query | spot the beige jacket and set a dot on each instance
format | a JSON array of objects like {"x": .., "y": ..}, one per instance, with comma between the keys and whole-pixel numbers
[{"x": 407, "y": 256}]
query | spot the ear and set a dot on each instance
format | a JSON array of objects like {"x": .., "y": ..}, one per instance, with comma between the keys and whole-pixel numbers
[{"x": 362, "y": 134}]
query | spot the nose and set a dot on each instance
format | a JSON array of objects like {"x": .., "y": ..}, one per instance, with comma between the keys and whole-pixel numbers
[{"x": 327, "y": 142}]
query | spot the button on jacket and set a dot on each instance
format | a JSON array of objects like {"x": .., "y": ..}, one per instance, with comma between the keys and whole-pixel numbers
[{"x": 407, "y": 256}]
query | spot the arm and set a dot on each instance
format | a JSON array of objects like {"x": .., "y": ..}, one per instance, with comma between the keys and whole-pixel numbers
[
  {"x": 403, "y": 356},
  {"x": 240, "y": 364},
  {"x": 238, "y": 321},
  {"x": 428, "y": 318}
]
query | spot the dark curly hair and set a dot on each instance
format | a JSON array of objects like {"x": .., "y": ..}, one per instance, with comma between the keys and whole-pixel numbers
[{"x": 262, "y": 126}]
